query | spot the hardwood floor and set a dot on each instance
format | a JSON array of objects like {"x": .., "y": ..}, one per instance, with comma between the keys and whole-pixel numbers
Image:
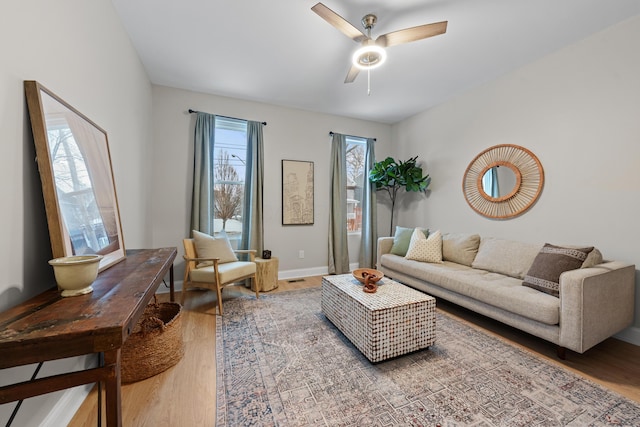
[{"x": 184, "y": 395}]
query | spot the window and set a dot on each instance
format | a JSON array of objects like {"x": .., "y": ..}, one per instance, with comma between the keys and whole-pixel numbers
[
  {"x": 229, "y": 153},
  {"x": 355, "y": 182}
]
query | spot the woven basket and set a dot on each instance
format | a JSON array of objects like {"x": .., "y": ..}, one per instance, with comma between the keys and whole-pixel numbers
[{"x": 155, "y": 344}]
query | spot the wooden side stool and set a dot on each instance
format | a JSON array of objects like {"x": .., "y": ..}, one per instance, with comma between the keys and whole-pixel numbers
[{"x": 266, "y": 274}]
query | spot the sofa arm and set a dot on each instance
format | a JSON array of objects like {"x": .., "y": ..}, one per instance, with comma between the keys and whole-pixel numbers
[
  {"x": 595, "y": 303},
  {"x": 384, "y": 247}
]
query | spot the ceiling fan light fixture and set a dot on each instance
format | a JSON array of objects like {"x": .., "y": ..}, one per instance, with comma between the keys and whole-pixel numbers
[
  {"x": 369, "y": 57},
  {"x": 372, "y": 54}
]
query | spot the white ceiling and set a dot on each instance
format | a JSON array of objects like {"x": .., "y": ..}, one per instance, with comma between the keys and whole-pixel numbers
[{"x": 280, "y": 52}]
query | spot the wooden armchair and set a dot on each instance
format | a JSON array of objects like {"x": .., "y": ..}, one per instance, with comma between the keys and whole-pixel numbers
[{"x": 215, "y": 276}]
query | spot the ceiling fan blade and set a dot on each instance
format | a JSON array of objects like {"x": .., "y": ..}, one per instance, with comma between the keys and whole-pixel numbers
[
  {"x": 412, "y": 34},
  {"x": 339, "y": 22},
  {"x": 352, "y": 74}
]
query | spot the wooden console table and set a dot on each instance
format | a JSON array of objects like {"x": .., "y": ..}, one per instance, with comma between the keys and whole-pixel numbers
[{"x": 49, "y": 327}]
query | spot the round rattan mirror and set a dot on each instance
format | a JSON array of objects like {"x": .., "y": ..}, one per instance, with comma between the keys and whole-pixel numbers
[{"x": 521, "y": 184}]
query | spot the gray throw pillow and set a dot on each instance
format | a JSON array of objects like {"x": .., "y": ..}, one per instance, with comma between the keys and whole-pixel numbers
[{"x": 551, "y": 262}]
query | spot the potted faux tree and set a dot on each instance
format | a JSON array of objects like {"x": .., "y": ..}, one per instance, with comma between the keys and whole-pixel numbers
[{"x": 391, "y": 176}]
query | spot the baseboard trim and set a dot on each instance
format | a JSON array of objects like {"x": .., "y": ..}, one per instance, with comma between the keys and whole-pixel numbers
[
  {"x": 282, "y": 275},
  {"x": 307, "y": 272},
  {"x": 302, "y": 272},
  {"x": 630, "y": 335},
  {"x": 65, "y": 409}
]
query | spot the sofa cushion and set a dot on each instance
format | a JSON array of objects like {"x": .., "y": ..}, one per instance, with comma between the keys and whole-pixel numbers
[
  {"x": 550, "y": 263},
  {"x": 505, "y": 256},
  {"x": 213, "y": 247},
  {"x": 402, "y": 238},
  {"x": 490, "y": 288},
  {"x": 460, "y": 248},
  {"x": 425, "y": 249}
]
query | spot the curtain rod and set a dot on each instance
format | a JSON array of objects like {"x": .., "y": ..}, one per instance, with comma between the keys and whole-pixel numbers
[
  {"x": 353, "y": 136},
  {"x": 226, "y": 117}
]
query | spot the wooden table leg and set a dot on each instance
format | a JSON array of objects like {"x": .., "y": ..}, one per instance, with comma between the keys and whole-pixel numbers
[{"x": 113, "y": 399}]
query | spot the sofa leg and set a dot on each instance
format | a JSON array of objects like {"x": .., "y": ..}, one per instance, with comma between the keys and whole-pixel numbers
[{"x": 562, "y": 353}]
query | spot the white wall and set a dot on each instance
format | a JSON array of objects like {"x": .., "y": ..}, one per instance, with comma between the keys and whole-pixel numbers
[
  {"x": 578, "y": 110},
  {"x": 79, "y": 50},
  {"x": 290, "y": 134}
]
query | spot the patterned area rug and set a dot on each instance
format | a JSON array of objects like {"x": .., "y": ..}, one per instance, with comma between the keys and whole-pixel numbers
[{"x": 280, "y": 362}]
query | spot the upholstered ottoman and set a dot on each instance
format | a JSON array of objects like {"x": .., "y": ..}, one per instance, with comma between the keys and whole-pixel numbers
[{"x": 393, "y": 321}]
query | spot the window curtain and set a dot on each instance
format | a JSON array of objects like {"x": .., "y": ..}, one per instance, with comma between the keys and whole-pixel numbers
[
  {"x": 369, "y": 230},
  {"x": 490, "y": 182},
  {"x": 252, "y": 217},
  {"x": 338, "y": 250},
  {"x": 203, "y": 169}
]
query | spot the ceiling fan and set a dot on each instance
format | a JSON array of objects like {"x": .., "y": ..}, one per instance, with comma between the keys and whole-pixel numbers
[{"x": 372, "y": 53}]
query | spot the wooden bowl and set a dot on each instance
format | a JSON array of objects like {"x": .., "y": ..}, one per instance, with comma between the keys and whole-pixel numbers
[{"x": 358, "y": 274}]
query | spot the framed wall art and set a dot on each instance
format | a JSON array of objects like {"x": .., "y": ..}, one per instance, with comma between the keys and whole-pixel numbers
[
  {"x": 297, "y": 192},
  {"x": 77, "y": 179}
]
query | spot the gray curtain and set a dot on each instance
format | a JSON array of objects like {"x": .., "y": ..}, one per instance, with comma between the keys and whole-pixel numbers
[
  {"x": 495, "y": 184},
  {"x": 369, "y": 231},
  {"x": 338, "y": 250},
  {"x": 490, "y": 182},
  {"x": 203, "y": 169},
  {"x": 252, "y": 217}
]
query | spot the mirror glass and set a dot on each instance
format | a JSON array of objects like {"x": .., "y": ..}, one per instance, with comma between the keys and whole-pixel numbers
[
  {"x": 78, "y": 186},
  {"x": 498, "y": 181}
]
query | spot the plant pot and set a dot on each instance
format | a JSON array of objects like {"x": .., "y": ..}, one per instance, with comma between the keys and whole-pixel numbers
[{"x": 75, "y": 274}]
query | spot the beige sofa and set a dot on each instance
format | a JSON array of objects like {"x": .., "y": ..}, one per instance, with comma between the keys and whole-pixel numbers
[{"x": 486, "y": 275}]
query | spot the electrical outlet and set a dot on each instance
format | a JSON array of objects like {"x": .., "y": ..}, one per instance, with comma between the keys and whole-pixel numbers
[{"x": 300, "y": 254}]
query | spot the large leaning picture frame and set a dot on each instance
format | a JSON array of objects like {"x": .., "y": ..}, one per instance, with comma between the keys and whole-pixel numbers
[
  {"x": 77, "y": 179},
  {"x": 297, "y": 192}
]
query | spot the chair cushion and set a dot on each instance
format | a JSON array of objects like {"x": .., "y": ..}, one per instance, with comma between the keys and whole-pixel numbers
[
  {"x": 229, "y": 272},
  {"x": 213, "y": 247}
]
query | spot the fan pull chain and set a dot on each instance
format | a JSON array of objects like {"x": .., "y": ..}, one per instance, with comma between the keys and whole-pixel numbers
[{"x": 368, "y": 82}]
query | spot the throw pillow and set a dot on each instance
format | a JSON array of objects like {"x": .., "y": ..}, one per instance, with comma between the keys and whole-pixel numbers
[
  {"x": 506, "y": 257},
  {"x": 551, "y": 262},
  {"x": 594, "y": 258},
  {"x": 425, "y": 249},
  {"x": 460, "y": 248},
  {"x": 213, "y": 247},
  {"x": 402, "y": 238}
]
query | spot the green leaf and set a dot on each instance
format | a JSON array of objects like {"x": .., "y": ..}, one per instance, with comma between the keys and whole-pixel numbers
[{"x": 394, "y": 175}]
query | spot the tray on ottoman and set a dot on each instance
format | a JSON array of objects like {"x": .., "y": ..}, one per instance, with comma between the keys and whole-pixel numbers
[{"x": 393, "y": 321}]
